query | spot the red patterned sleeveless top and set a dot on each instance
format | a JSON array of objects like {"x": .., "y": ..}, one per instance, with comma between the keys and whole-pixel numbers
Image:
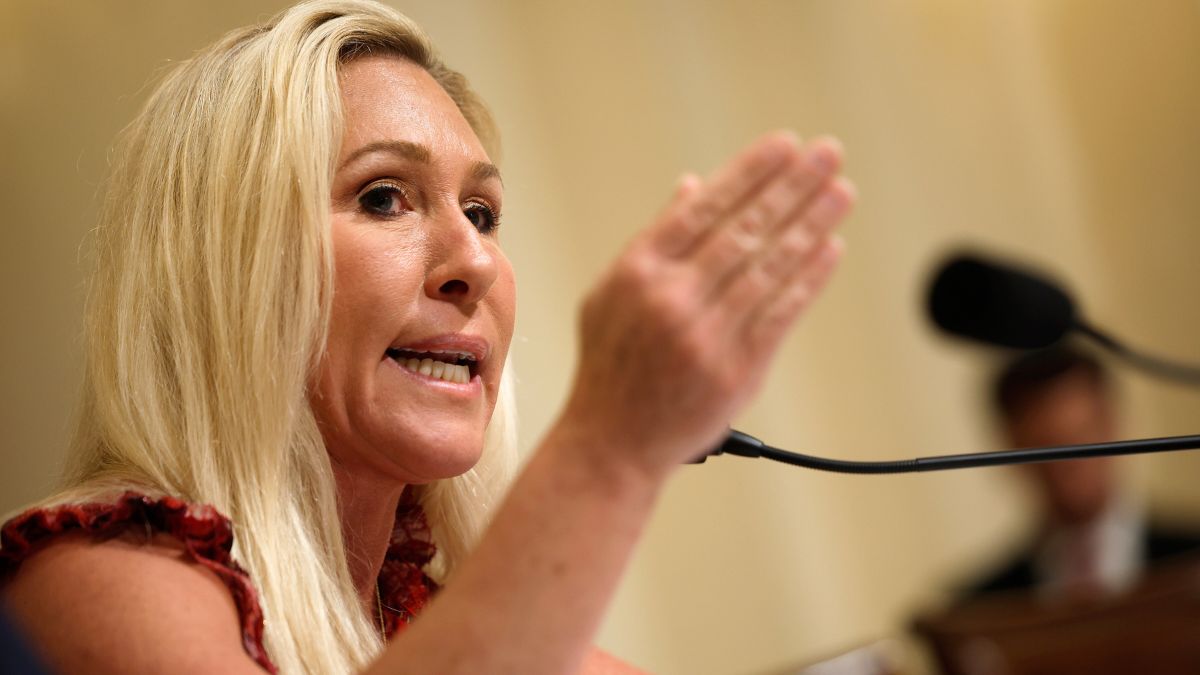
[{"x": 207, "y": 538}]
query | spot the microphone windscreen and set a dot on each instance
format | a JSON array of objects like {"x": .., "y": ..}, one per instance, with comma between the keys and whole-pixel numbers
[{"x": 980, "y": 300}]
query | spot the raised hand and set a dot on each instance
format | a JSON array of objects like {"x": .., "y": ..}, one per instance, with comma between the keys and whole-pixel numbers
[{"x": 677, "y": 336}]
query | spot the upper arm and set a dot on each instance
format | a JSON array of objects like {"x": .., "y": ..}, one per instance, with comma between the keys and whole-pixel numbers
[{"x": 122, "y": 607}]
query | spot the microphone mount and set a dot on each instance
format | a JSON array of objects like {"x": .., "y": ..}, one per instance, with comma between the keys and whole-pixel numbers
[{"x": 1171, "y": 370}]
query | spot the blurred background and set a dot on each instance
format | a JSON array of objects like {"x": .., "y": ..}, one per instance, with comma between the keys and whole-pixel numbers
[{"x": 1063, "y": 133}]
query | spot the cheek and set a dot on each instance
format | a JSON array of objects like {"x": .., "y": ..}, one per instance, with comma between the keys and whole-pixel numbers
[
  {"x": 376, "y": 276},
  {"x": 506, "y": 287},
  {"x": 373, "y": 285},
  {"x": 371, "y": 271},
  {"x": 504, "y": 311}
]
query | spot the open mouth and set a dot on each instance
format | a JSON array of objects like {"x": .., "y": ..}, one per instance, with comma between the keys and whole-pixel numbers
[{"x": 447, "y": 365}]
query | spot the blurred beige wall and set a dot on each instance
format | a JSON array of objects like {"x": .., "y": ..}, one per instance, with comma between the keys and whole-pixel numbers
[{"x": 1064, "y": 132}]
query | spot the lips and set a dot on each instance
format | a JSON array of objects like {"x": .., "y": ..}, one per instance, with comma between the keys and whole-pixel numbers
[{"x": 453, "y": 358}]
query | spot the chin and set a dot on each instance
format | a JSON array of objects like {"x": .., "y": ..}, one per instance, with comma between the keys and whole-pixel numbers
[{"x": 432, "y": 452}]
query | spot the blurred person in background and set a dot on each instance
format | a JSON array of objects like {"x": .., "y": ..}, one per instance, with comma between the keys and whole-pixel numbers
[{"x": 1093, "y": 539}]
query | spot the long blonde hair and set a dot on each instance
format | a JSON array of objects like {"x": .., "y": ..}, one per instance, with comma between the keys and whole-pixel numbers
[{"x": 209, "y": 307}]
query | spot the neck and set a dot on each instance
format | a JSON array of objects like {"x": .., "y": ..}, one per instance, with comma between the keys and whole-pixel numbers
[{"x": 367, "y": 508}]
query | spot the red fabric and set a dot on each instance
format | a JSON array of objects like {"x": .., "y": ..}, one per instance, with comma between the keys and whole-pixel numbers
[
  {"x": 207, "y": 536},
  {"x": 404, "y": 587}
]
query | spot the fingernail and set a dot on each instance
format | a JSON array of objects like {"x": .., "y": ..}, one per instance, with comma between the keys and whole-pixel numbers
[
  {"x": 686, "y": 182},
  {"x": 821, "y": 158},
  {"x": 826, "y": 153}
]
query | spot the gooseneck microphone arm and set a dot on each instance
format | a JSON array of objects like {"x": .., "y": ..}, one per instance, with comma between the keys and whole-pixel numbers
[
  {"x": 1154, "y": 365},
  {"x": 745, "y": 445}
]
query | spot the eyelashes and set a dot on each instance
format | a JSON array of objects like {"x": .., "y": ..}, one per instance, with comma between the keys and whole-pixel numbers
[
  {"x": 390, "y": 199},
  {"x": 384, "y": 199},
  {"x": 482, "y": 216}
]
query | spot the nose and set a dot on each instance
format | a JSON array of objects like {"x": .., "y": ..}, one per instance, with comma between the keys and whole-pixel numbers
[{"x": 464, "y": 263}]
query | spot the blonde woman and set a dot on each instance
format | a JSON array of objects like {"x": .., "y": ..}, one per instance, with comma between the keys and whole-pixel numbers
[{"x": 296, "y": 414}]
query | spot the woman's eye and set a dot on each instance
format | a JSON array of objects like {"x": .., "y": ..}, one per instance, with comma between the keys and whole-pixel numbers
[
  {"x": 482, "y": 217},
  {"x": 383, "y": 200}
]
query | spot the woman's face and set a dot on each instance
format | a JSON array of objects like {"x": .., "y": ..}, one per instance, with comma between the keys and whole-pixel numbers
[{"x": 424, "y": 298}]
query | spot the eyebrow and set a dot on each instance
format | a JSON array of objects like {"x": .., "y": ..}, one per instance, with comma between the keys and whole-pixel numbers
[
  {"x": 416, "y": 152},
  {"x": 482, "y": 171}
]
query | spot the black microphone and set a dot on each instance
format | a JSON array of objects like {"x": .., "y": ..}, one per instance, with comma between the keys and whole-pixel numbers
[
  {"x": 976, "y": 299},
  {"x": 1006, "y": 305}
]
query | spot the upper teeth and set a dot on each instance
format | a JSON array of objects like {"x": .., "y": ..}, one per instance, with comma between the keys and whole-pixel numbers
[
  {"x": 441, "y": 367},
  {"x": 456, "y": 355},
  {"x": 450, "y": 372},
  {"x": 459, "y": 355}
]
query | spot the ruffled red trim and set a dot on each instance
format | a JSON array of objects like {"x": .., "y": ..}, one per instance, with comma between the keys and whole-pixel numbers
[
  {"x": 404, "y": 587},
  {"x": 206, "y": 535}
]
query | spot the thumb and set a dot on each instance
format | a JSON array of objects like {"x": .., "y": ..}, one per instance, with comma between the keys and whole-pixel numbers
[{"x": 686, "y": 186}]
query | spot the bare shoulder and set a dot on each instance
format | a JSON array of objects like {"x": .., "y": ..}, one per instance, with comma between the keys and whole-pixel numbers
[{"x": 127, "y": 606}]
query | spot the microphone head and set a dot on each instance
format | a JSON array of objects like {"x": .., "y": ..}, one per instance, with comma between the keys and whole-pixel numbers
[{"x": 989, "y": 302}]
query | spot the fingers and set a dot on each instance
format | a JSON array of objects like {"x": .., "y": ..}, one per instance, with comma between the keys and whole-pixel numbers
[
  {"x": 786, "y": 253},
  {"x": 732, "y": 246},
  {"x": 689, "y": 185},
  {"x": 798, "y": 267},
  {"x": 758, "y": 251},
  {"x": 694, "y": 212},
  {"x": 771, "y": 321}
]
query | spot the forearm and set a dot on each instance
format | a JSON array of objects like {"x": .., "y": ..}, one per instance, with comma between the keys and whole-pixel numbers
[{"x": 531, "y": 596}]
